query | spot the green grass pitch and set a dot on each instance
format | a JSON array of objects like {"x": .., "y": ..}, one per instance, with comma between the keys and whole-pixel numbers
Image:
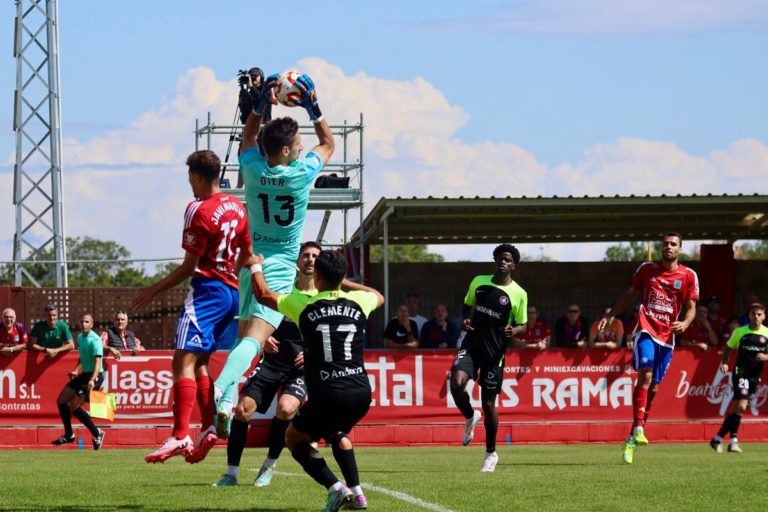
[{"x": 561, "y": 477}]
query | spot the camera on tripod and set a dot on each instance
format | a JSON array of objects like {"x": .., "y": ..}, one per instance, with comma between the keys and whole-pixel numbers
[{"x": 247, "y": 80}]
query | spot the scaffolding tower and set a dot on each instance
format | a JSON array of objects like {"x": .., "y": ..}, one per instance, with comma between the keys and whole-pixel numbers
[
  {"x": 343, "y": 164},
  {"x": 37, "y": 179}
]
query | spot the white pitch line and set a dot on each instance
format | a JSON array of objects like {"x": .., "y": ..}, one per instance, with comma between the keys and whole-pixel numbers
[
  {"x": 434, "y": 507},
  {"x": 407, "y": 498}
]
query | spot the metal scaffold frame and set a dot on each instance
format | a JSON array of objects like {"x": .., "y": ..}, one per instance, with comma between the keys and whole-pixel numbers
[
  {"x": 327, "y": 199},
  {"x": 37, "y": 192}
]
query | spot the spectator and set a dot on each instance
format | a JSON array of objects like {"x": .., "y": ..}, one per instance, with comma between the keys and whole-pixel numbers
[
  {"x": 700, "y": 333},
  {"x": 537, "y": 336},
  {"x": 118, "y": 338},
  {"x": 571, "y": 329},
  {"x": 750, "y": 299},
  {"x": 718, "y": 323},
  {"x": 439, "y": 332},
  {"x": 401, "y": 331},
  {"x": 51, "y": 335},
  {"x": 629, "y": 327},
  {"x": 13, "y": 336},
  {"x": 610, "y": 337},
  {"x": 413, "y": 302},
  {"x": 733, "y": 324}
]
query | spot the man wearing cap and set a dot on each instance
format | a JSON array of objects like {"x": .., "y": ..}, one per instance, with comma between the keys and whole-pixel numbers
[{"x": 51, "y": 335}]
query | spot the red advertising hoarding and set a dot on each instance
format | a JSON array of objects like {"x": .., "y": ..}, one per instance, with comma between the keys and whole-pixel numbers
[{"x": 590, "y": 386}]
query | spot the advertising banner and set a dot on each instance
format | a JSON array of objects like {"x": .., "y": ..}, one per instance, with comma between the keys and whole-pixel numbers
[{"x": 409, "y": 387}]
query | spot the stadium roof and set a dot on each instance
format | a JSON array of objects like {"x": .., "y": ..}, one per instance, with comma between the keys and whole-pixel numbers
[{"x": 565, "y": 219}]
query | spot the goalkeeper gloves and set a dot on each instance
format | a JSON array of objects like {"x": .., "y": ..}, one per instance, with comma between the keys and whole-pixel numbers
[
  {"x": 262, "y": 97},
  {"x": 309, "y": 97}
]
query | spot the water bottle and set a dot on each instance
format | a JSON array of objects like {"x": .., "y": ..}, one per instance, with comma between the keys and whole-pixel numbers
[
  {"x": 509, "y": 439},
  {"x": 80, "y": 442}
]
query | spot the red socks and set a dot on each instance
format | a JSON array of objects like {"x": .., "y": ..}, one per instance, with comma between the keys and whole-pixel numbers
[
  {"x": 205, "y": 401},
  {"x": 183, "y": 402},
  {"x": 639, "y": 400},
  {"x": 647, "y": 411}
]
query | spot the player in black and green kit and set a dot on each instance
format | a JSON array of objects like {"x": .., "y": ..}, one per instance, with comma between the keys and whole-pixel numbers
[
  {"x": 332, "y": 324},
  {"x": 751, "y": 341},
  {"x": 495, "y": 309}
]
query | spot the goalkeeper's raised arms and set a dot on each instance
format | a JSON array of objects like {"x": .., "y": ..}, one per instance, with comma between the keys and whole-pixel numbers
[{"x": 309, "y": 97}]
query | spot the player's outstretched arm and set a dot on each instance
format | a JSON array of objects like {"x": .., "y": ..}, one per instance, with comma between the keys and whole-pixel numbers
[
  {"x": 259, "y": 98},
  {"x": 309, "y": 101},
  {"x": 620, "y": 305},
  {"x": 260, "y": 287},
  {"x": 326, "y": 144},
  {"x": 245, "y": 254},
  {"x": 351, "y": 285},
  {"x": 177, "y": 275}
]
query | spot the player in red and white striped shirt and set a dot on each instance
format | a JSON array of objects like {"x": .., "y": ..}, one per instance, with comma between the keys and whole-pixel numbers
[{"x": 215, "y": 228}]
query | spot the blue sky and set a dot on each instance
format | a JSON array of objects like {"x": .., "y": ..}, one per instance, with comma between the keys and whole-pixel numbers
[{"x": 543, "y": 97}]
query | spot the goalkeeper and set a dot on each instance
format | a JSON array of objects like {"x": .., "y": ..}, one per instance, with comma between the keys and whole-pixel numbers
[{"x": 277, "y": 193}]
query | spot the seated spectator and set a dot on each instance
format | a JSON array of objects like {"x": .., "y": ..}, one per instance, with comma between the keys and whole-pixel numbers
[
  {"x": 571, "y": 329},
  {"x": 630, "y": 322},
  {"x": 51, "y": 335},
  {"x": 610, "y": 337},
  {"x": 13, "y": 336},
  {"x": 439, "y": 332},
  {"x": 537, "y": 335},
  {"x": 718, "y": 323},
  {"x": 733, "y": 323},
  {"x": 700, "y": 333},
  {"x": 401, "y": 331},
  {"x": 414, "y": 303},
  {"x": 118, "y": 338}
]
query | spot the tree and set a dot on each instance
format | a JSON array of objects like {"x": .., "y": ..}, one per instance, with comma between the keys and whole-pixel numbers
[
  {"x": 541, "y": 257},
  {"x": 166, "y": 268},
  {"x": 752, "y": 251},
  {"x": 408, "y": 253},
  {"x": 638, "y": 251},
  {"x": 104, "y": 273}
]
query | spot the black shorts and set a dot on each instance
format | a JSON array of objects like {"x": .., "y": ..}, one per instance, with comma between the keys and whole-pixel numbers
[
  {"x": 80, "y": 384},
  {"x": 744, "y": 385},
  {"x": 324, "y": 417},
  {"x": 488, "y": 373},
  {"x": 265, "y": 380}
]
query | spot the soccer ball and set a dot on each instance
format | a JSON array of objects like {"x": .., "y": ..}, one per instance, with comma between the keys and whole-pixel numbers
[{"x": 286, "y": 91}]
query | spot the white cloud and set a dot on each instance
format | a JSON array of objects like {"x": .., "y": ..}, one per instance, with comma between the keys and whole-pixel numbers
[{"x": 130, "y": 186}]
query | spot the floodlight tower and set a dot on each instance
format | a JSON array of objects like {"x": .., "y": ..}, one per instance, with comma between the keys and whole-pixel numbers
[{"x": 37, "y": 185}]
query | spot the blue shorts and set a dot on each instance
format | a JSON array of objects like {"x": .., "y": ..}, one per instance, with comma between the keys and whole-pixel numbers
[
  {"x": 209, "y": 308},
  {"x": 649, "y": 354},
  {"x": 280, "y": 275}
]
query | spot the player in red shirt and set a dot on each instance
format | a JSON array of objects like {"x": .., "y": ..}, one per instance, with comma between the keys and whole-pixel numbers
[
  {"x": 666, "y": 286},
  {"x": 215, "y": 227},
  {"x": 13, "y": 336}
]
